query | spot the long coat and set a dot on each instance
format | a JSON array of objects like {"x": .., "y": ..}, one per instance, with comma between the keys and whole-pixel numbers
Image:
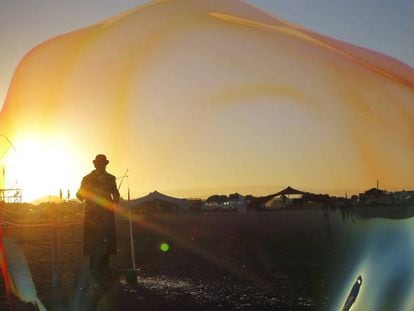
[{"x": 100, "y": 192}]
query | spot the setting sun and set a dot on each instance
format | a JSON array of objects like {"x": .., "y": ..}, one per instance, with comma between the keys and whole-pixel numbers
[{"x": 41, "y": 165}]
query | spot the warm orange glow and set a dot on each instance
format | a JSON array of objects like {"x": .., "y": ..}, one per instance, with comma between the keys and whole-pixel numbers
[
  {"x": 198, "y": 95},
  {"x": 42, "y": 165}
]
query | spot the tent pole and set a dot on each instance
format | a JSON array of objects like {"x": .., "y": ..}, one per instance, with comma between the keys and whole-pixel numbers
[{"x": 131, "y": 234}]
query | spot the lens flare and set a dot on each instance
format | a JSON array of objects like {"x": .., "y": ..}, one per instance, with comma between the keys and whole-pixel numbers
[
  {"x": 164, "y": 247},
  {"x": 385, "y": 266},
  {"x": 19, "y": 278}
]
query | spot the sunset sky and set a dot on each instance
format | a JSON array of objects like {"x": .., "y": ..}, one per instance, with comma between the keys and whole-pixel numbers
[{"x": 247, "y": 126}]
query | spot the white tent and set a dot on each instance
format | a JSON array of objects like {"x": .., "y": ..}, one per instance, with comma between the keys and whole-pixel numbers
[{"x": 158, "y": 199}]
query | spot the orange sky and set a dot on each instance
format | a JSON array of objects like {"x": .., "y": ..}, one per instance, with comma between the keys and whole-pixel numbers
[{"x": 192, "y": 96}]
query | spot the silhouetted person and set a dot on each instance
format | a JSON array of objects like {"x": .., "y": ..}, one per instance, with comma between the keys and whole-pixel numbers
[
  {"x": 353, "y": 294},
  {"x": 100, "y": 192}
]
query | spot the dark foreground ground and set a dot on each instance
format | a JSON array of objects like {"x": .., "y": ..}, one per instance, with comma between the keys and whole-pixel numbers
[{"x": 282, "y": 260}]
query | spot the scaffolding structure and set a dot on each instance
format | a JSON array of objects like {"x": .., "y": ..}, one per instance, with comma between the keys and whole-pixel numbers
[
  {"x": 11, "y": 195},
  {"x": 7, "y": 194}
]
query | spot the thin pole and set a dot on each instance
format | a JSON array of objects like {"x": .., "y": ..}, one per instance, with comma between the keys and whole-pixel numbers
[
  {"x": 131, "y": 235},
  {"x": 10, "y": 145},
  {"x": 3, "y": 180},
  {"x": 122, "y": 179},
  {"x": 376, "y": 192}
]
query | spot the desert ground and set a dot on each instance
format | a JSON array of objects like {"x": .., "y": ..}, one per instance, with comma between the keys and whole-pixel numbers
[{"x": 280, "y": 260}]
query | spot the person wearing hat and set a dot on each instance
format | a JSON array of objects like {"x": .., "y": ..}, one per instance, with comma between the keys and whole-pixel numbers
[{"x": 98, "y": 189}]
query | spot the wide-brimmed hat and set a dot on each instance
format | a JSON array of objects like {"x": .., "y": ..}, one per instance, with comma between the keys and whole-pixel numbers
[{"x": 101, "y": 158}]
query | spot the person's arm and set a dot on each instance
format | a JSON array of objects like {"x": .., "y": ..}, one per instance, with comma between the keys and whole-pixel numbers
[{"x": 80, "y": 193}]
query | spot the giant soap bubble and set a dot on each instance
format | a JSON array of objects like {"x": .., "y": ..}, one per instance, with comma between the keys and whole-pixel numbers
[{"x": 198, "y": 94}]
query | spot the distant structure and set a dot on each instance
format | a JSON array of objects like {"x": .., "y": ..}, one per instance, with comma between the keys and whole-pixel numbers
[
  {"x": 7, "y": 194},
  {"x": 284, "y": 198},
  {"x": 233, "y": 202},
  {"x": 157, "y": 202},
  {"x": 376, "y": 195},
  {"x": 11, "y": 195}
]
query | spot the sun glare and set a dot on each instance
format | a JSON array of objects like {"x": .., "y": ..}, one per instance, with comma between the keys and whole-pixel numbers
[{"x": 41, "y": 166}]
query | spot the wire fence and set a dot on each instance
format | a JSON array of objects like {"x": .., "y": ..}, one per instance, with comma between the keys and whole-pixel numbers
[{"x": 40, "y": 216}]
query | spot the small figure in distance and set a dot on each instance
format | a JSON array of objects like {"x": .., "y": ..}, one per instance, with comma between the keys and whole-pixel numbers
[
  {"x": 353, "y": 294},
  {"x": 98, "y": 189}
]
